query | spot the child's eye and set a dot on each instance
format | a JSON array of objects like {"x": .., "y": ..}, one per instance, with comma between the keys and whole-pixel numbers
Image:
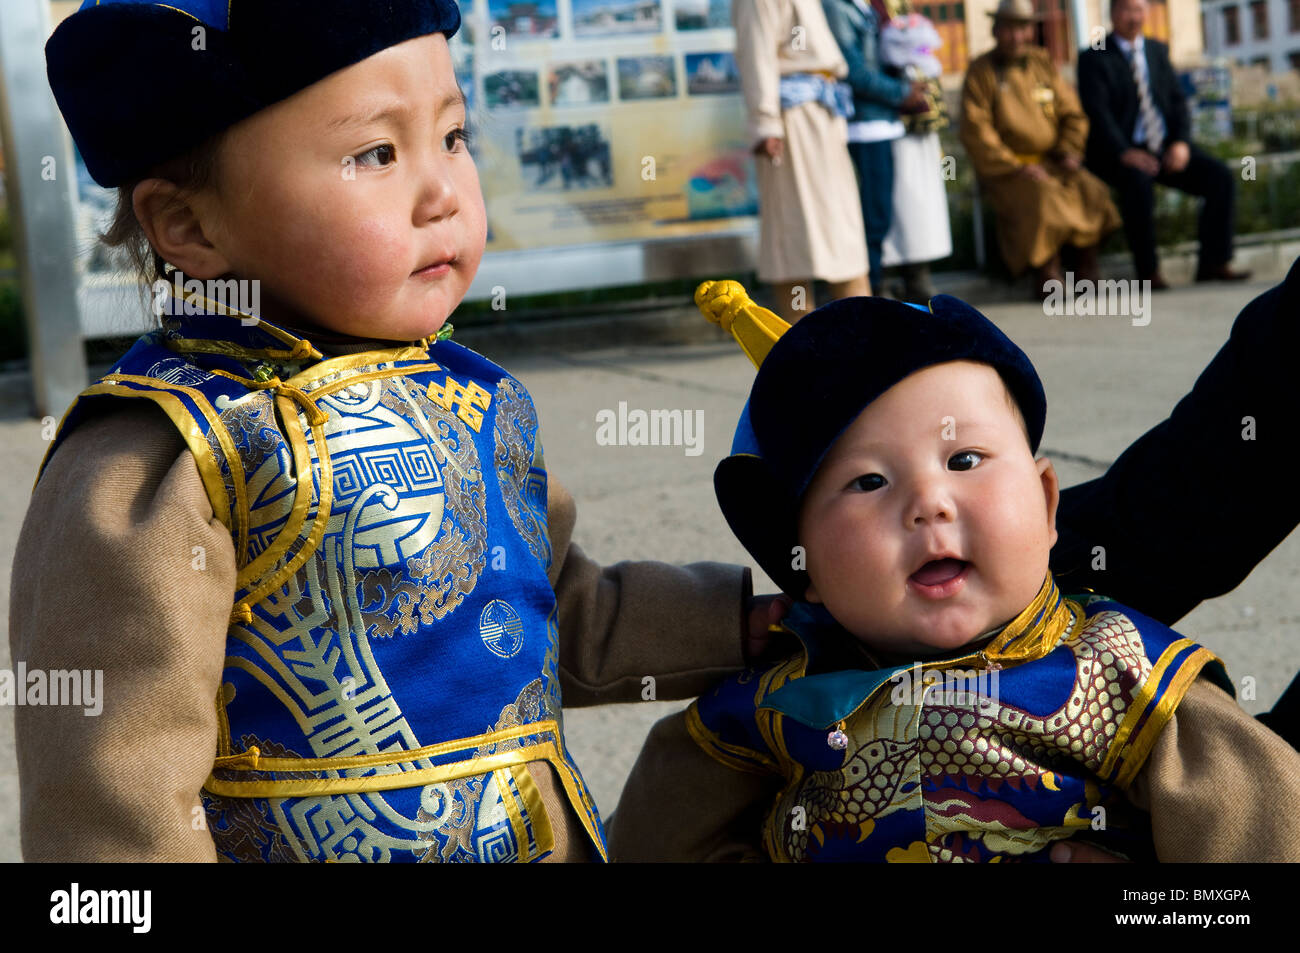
[
  {"x": 966, "y": 460},
  {"x": 378, "y": 156},
  {"x": 868, "y": 482},
  {"x": 455, "y": 138}
]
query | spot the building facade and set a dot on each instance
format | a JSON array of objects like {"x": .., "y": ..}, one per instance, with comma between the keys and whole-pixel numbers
[
  {"x": 1254, "y": 32},
  {"x": 1068, "y": 25}
]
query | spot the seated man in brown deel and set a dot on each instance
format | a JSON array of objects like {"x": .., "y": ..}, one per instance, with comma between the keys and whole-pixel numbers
[{"x": 1025, "y": 132}]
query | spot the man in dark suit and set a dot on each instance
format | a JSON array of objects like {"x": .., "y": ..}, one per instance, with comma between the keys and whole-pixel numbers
[{"x": 1139, "y": 136}]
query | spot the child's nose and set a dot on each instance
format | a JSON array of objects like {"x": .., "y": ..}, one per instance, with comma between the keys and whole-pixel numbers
[
  {"x": 437, "y": 194},
  {"x": 930, "y": 503}
]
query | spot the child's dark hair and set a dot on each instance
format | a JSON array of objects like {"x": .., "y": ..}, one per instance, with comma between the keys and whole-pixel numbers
[{"x": 191, "y": 172}]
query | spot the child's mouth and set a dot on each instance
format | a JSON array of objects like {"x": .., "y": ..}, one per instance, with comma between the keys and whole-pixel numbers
[
  {"x": 436, "y": 270},
  {"x": 939, "y": 578}
]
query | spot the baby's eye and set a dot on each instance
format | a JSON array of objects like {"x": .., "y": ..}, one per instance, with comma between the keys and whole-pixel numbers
[
  {"x": 868, "y": 482},
  {"x": 966, "y": 460},
  {"x": 455, "y": 138},
  {"x": 378, "y": 156}
]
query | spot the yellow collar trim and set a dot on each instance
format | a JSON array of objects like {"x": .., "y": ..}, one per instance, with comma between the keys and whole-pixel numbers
[{"x": 1034, "y": 633}]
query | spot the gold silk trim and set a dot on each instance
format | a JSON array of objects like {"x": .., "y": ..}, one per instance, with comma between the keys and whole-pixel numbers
[
  {"x": 1132, "y": 748},
  {"x": 253, "y": 761},
  {"x": 301, "y": 348},
  {"x": 298, "y": 515},
  {"x": 325, "y": 390},
  {"x": 1137, "y": 708},
  {"x": 311, "y": 787},
  {"x": 736, "y": 757},
  {"x": 1140, "y": 747},
  {"x": 223, "y": 723},
  {"x": 550, "y": 751},
  {"x": 1022, "y": 640},
  {"x": 209, "y": 469},
  {"x": 535, "y": 808},
  {"x": 347, "y": 362},
  {"x": 226, "y": 349},
  {"x": 315, "y": 415}
]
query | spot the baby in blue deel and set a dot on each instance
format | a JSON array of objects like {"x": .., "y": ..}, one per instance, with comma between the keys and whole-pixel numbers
[{"x": 947, "y": 702}]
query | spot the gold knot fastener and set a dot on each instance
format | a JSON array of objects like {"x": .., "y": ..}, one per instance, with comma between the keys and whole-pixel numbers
[
  {"x": 303, "y": 350},
  {"x": 720, "y": 300},
  {"x": 728, "y": 305}
]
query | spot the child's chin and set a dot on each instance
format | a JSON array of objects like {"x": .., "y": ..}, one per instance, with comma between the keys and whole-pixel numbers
[
  {"x": 918, "y": 646},
  {"x": 941, "y": 643}
]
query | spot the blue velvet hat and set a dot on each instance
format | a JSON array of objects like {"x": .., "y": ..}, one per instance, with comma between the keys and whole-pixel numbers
[
  {"x": 140, "y": 82},
  {"x": 815, "y": 378}
]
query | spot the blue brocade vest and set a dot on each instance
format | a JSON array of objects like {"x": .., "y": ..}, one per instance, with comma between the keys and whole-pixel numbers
[
  {"x": 988, "y": 756},
  {"x": 392, "y": 658}
]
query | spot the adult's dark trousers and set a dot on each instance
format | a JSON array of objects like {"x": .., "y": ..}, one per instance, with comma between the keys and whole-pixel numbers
[
  {"x": 1188, "y": 510},
  {"x": 1203, "y": 176},
  {"x": 874, "y": 163}
]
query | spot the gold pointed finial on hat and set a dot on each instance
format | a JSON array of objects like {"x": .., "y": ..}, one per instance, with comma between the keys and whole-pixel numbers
[{"x": 728, "y": 305}]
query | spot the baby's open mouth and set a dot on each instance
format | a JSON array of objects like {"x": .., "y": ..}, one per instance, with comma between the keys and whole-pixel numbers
[{"x": 938, "y": 571}]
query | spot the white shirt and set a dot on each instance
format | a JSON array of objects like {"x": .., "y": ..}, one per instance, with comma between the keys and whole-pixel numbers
[
  {"x": 1138, "y": 48},
  {"x": 877, "y": 130}
]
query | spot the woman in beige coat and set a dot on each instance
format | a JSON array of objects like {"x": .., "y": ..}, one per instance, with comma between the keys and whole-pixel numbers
[{"x": 810, "y": 219}]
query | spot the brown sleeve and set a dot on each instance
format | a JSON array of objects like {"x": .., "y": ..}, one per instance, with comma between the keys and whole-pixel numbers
[
  {"x": 107, "y": 579},
  {"x": 1219, "y": 786},
  {"x": 988, "y": 153},
  {"x": 679, "y": 804},
  {"x": 1072, "y": 121},
  {"x": 681, "y": 625}
]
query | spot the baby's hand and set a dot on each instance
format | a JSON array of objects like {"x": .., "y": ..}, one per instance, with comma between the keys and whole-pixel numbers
[{"x": 759, "y": 641}]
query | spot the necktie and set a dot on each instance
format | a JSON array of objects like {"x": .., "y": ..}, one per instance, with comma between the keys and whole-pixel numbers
[{"x": 1146, "y": 108}]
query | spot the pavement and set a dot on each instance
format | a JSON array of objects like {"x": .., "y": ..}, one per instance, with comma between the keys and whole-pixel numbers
[{"x": 1107, "y": 382}]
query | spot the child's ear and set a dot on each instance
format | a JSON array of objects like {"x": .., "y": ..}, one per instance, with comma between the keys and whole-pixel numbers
[
  {"x": 174, "y": 228},
  {"x": 1051, "y": 491}
]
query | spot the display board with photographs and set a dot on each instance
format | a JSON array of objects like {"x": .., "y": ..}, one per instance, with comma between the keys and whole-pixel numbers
[
  {"x": 592, "y": 121},
  {"x": 605, "y": 120}
]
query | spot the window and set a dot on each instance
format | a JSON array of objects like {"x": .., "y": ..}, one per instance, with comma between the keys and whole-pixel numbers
[
  {"x": 1259, "y": 18},
  {"x": 1294, "y": 57},
  {"x": 949, "y": 19},
  {"x": 1231, "y": 26},
  {"x": 1157, "y": 26},
  {"x": 1293, "y": 16},
  {"x": 1054, "y": 29}
]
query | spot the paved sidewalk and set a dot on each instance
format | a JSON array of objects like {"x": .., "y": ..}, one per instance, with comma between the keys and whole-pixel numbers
[{"x": 1107, "y": 382}]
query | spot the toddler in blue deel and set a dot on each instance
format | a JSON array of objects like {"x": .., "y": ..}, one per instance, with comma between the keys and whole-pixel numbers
[
  {"x": 314, "y": 550},
  {"x": 946, "y": 702}
]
